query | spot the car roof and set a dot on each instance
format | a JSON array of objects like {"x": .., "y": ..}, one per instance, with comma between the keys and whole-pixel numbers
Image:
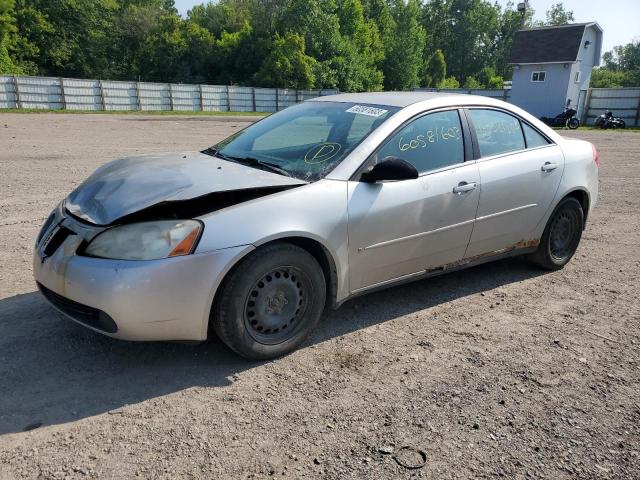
[{"x": 391, "y": 99}]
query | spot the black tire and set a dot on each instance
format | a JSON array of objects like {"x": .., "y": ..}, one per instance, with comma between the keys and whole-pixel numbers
[
  {"x": 270, "y": 302},
  {"x": 573, "y": 123},
  {"x": 622, "y": 124},
  {"x": 561, "y": 236}
]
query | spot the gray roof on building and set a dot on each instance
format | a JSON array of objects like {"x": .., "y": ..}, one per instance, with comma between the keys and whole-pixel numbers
[{"x": 549, "y": 44}]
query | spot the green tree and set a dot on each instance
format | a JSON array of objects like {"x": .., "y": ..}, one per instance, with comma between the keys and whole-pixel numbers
[
  {"x": 605, "y": 78},
  {"x": 287, "y": 65},
  {"x": 404, "y": 54},
  {"x": 509, "y": 22},
  {"x": 66, "y": 37},
  {"x": 435, "y": 70},
  {"x": 621, "y": 67},
  {"x": 317, "y": 22},
  {"x": 360, "y": 52},
  {"x": 471, "y": 82},
  {"x": 469, "y": 33},
  {"x": 235, "y": 56},
  {"x": 8, "y": 37},
  {"x": 557, "y": 15},
  {"x": 449, "y": 82},
  {"x": 489, "y": 78}
]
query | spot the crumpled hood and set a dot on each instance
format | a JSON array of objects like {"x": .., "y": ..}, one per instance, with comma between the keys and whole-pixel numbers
[{"x": 129, "y": 185}]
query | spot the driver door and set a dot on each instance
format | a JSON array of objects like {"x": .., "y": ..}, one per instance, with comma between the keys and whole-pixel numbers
[{"x": 400, "y": 229}]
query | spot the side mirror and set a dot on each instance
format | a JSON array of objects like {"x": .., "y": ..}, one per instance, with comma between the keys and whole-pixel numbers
[{"x": 390, "y": 168}]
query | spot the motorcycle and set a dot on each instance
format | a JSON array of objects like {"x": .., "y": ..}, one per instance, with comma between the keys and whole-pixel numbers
[
  {"x": 607, "y": 120},
  {"x": 565, "y": 119}
]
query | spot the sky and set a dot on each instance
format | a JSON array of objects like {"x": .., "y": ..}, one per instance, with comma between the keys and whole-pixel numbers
[{"x": 620, "y": 19}]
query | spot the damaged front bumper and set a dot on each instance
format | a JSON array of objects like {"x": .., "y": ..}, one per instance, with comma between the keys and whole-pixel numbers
[{"x": 168, "y": 299}]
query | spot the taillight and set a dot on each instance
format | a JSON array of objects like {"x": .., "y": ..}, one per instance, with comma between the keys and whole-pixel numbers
[{"x": 596, "y": 155}]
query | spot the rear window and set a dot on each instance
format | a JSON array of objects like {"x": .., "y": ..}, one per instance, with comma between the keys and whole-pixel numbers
[
  {"x": 533, "y": 138},
  {"x": 497, "y": 132}
]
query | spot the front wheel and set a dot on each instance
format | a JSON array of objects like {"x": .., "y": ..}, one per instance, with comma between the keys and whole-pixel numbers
[
  {"x": 270, "y": 302},
  {"x": 561, "y": 236},
  {"x": 573, "y": 123}
]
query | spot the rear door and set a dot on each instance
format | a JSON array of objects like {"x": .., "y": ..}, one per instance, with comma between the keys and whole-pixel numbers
[
  {"x": 520, "y": 171},
  {"x": 400, "y": 229}
]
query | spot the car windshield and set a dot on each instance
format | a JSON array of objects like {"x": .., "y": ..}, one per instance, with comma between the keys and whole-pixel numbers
[{"x": 305, "y": 141}]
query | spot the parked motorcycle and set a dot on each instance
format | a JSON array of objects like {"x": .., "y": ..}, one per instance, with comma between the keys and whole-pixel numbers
[
  {"x": 565, "y": 119},
  {"x": 607, "y": 120}
]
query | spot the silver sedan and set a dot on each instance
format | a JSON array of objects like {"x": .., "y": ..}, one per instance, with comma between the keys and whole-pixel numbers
[{"x": 252, "y": 238}]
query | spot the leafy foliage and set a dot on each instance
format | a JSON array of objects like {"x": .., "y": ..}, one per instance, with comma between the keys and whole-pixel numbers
[
  {"x": 404, "y": 53},
  {"x": 450, "y": 82},
  {"x": 621, "y": 67},
  {"x": 557, "y": 15},
  {"x": 352, "y": 45},
  {"x": 287, "y": 65}
]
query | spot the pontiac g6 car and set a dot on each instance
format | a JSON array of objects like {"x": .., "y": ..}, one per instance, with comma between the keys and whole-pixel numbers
[{"x": 326, "y": 200}]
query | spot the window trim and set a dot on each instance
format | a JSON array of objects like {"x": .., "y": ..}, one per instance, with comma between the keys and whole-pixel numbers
[
  {"x": 476, "y": 145},
  {"x": 539, "y": 72},
  {"x": 467, "y": 140}
]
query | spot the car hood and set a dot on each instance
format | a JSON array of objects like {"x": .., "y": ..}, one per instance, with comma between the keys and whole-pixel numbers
[{"x": 129, "y": 185}]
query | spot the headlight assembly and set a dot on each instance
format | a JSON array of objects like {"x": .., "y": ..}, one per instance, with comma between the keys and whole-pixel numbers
[{"x": 147, "y": 240}]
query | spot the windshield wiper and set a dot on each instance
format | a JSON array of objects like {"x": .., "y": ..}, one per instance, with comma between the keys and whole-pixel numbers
[
  {"x": 250, "y": 161},
  {"x": 210, "y": 151},
  {"x": 254, "y": 162}
]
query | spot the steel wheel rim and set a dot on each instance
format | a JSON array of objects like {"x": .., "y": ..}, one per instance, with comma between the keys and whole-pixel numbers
[
  {"x": 562, "y": 235},
  {"x": 276, "y": 304}
]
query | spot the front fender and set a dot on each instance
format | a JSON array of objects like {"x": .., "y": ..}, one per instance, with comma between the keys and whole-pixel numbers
[{"x": 316, "y": 211}]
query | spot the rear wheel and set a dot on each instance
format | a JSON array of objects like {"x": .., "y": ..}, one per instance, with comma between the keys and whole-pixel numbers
[
  {"x": 573, "y": 123},
  {"x": 270, "y": 302},
  {"x": 561, "y": 236}
]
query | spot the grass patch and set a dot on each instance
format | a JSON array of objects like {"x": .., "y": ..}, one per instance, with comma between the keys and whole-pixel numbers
[
  {"x": 136, "y": 112},
  {"x": 590, "y": 128}
]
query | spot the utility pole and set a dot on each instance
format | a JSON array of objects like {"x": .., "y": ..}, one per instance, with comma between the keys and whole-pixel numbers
[{"x": 523, "y": 8}]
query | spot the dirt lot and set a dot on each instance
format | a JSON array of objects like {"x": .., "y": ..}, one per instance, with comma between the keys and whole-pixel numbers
[{"x": 501, "y": 370}]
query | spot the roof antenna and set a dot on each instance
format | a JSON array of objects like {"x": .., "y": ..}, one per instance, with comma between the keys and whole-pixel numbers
[{"x": 523, "y": 7}]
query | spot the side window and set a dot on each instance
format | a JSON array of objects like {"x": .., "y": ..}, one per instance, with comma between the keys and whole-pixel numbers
[
  {"x": 534, "y": 139},
  {"x": 430, "y": 142},
  {"x": 497, "y": 132}
]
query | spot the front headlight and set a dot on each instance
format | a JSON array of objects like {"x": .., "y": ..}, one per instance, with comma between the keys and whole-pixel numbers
[{"x": 147, "y": 240}]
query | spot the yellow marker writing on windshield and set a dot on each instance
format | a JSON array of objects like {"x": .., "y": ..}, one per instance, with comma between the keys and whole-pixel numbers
[{"x": 322, "y": 152}]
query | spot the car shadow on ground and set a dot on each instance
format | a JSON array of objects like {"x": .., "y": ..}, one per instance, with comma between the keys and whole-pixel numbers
[{"x": 53, "y": 371}]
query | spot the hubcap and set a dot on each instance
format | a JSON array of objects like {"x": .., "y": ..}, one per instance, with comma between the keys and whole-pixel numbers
[
  {"x": 275, "y": 305},
  {"x": 563, "y": 234}
]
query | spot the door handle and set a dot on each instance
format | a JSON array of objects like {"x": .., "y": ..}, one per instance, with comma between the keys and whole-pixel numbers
[
  {"x": 548, "y": 166},
  {"x": 464, "y": 187}
]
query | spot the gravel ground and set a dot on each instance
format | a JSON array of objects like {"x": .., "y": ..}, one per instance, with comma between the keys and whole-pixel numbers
[{"x": 500, "y": 370}]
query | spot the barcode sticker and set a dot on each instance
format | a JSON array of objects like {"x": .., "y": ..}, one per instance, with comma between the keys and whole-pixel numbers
[{"x": 370, "y": 111}]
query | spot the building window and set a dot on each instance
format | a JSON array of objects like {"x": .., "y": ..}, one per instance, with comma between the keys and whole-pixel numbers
[
  {"x": 538, "y": 76},
  {"x": 576, "y": 78}
]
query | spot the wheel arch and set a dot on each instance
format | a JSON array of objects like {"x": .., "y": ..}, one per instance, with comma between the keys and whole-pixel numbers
[
  {"x": 314, "y": 247},
  {"x": 582, "y": 196}
]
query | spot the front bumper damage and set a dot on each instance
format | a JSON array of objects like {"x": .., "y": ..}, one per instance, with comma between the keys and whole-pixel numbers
[{"x": 168, "y": 299}]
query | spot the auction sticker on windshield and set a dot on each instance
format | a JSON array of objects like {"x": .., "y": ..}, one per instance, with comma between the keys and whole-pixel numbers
[{"x": 370, "y": 111}]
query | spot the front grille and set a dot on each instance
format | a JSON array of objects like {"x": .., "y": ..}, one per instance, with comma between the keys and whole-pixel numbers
[
  {"x": 56, "y": 240},
  {"x": 45, "y": 227},
  {"x": 84, "y": 314}
]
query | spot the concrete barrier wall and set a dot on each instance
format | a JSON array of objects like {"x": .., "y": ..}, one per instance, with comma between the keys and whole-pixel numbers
[{"x": 49, "y": 93}]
